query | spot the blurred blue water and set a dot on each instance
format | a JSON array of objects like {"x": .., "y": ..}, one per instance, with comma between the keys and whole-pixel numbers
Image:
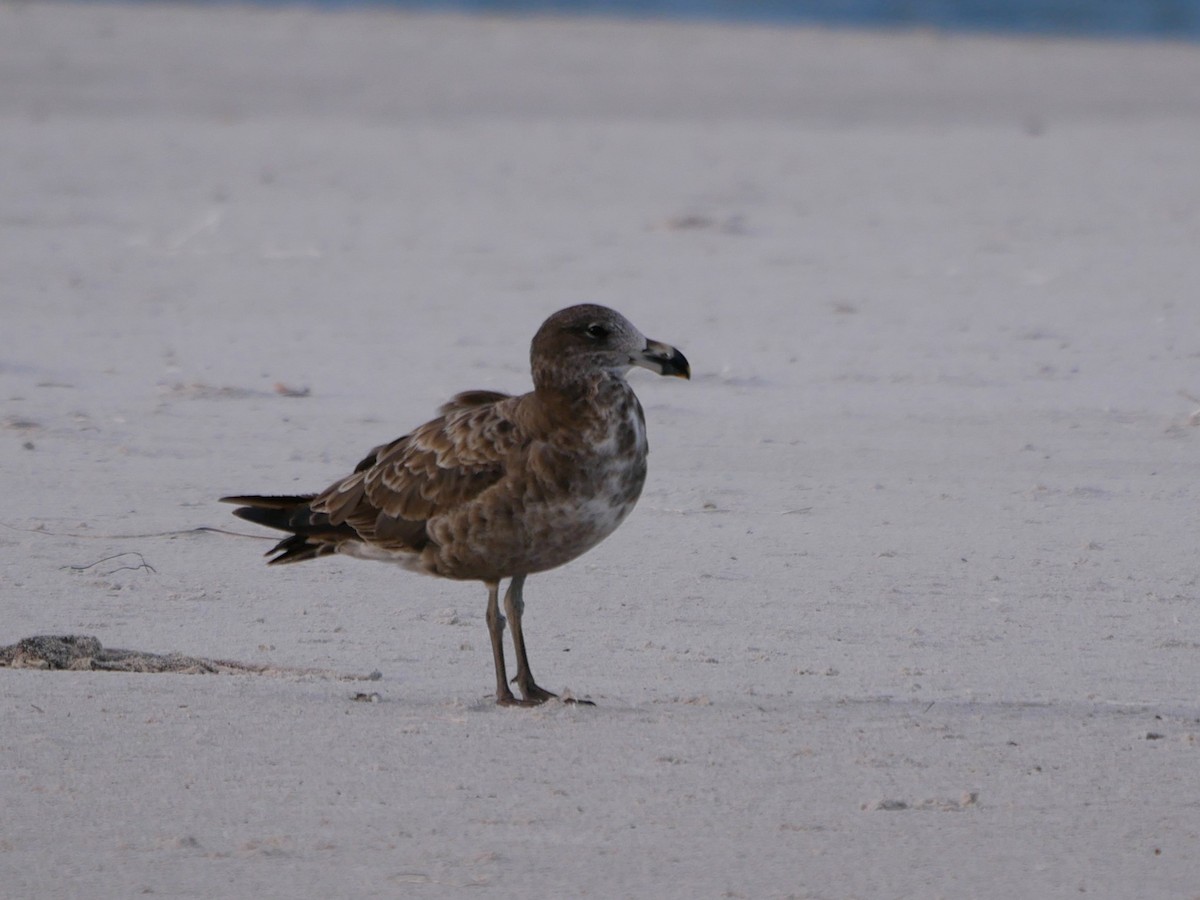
[{"x": 1113, "y": 18}]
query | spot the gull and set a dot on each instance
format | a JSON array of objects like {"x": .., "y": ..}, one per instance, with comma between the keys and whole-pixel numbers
[{"x": 498, "y": 486}]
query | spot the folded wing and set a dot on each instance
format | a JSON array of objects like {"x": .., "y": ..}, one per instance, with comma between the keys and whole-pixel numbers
[{"x": 447, "y": 462}]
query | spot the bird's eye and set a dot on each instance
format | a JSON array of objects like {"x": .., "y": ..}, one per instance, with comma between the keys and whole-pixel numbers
[{"x": 596, "y": 331}]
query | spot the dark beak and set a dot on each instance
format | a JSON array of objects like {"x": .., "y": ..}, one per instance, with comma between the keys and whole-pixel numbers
[{"x": 663, "y": 359}]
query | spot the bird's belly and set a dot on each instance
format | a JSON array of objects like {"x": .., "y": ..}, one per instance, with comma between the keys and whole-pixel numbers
[
  {"x": 570, "y": 530},
  {"x": 547, "y": 526}
]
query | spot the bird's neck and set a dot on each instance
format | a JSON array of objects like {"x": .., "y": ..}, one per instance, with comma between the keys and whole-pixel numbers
[{"x": 580, "y": 396}]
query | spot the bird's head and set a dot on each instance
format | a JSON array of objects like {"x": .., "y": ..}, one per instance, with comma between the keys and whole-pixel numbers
[{"x": 585, "y": 339}]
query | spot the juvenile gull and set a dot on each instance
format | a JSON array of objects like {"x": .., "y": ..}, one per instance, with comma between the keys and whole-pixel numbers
[{"x": 497, "y": 486}]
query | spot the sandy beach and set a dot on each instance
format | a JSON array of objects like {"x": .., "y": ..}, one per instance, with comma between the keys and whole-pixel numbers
[{"x": 910, "y": 606}]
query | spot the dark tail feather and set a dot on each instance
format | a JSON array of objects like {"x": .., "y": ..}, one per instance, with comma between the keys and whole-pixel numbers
[
  {"x": 285, "y": 501},
  {"x": 312, "y": 534}
]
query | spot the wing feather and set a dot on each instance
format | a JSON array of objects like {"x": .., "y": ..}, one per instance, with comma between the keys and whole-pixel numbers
[{"x": 439, "y": 466}]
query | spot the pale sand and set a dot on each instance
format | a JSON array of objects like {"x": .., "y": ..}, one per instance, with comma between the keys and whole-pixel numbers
[{"x": 909, "y": 608}]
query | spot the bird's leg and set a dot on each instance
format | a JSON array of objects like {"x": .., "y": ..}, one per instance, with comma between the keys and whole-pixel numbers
[
  {"x": 495, "y": 624},
  {"x": 514, "y": 606}
]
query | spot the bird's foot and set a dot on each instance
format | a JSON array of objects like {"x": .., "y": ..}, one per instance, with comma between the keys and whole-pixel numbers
[{"x": 533, "y": 695}]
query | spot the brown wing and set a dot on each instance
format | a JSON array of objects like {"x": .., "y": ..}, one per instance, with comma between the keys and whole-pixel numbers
[
  {"x": 468, "y": 399},
  {"x": 465, "y": 400},
  {"x": 444, "y": 463}
]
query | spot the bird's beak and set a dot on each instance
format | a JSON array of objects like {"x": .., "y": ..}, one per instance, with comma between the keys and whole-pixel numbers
[{"x": 663, "y": 359}]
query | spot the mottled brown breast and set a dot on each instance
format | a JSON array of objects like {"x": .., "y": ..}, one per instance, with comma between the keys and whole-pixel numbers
[{"x": 563, "y": 493}]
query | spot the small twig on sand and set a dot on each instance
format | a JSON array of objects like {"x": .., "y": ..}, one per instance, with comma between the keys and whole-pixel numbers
[
  {"x": 200, "y": 529},
  {"x": 142, "y": 565}
]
